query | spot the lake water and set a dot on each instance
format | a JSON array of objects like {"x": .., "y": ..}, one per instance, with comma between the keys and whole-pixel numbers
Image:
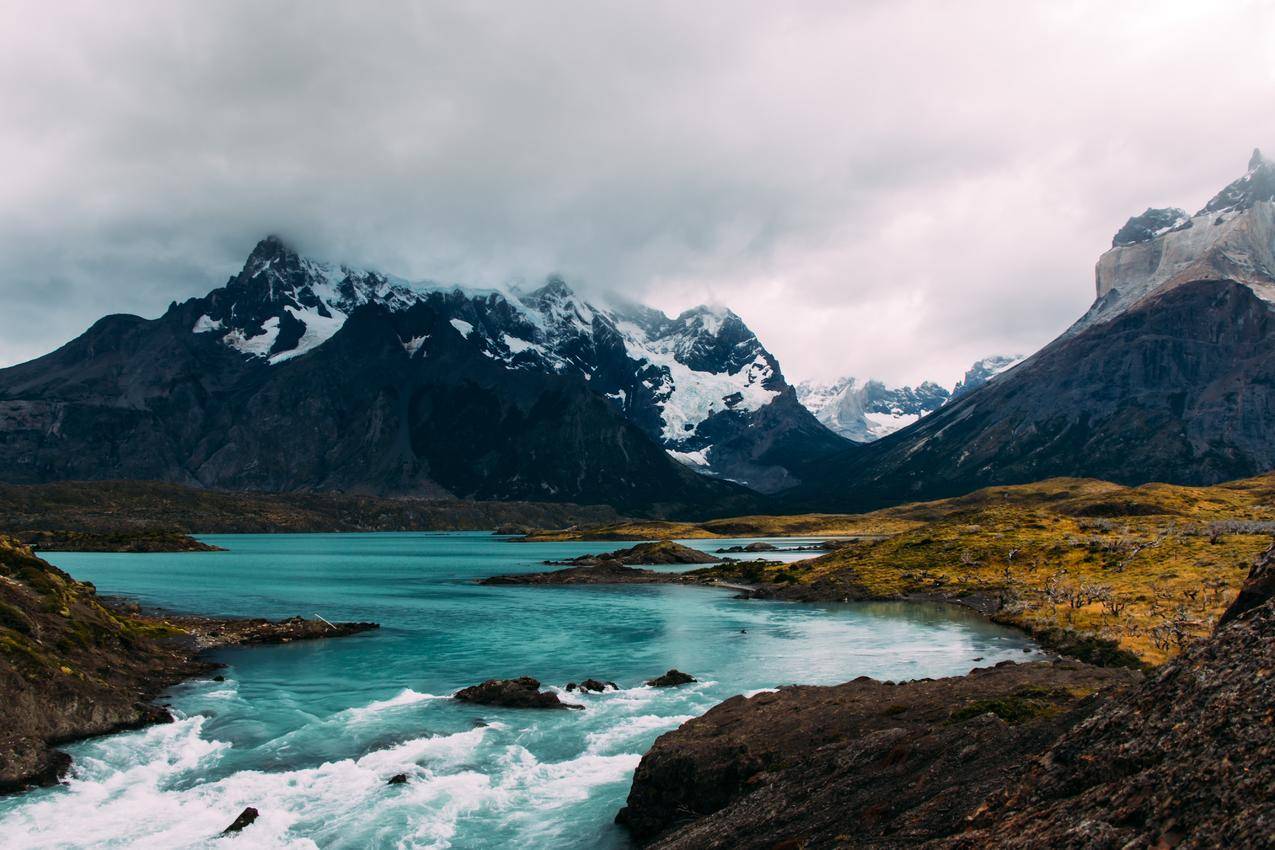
[{"x": 309, "y": 733}]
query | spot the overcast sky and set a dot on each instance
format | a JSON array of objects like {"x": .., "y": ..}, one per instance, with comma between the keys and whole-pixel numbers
[{"x": 878, "y": 188}]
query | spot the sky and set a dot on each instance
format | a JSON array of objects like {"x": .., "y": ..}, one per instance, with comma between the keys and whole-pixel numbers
[{"x": 886, "y": 189}]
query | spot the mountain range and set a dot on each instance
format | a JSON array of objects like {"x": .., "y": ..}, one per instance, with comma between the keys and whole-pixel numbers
[
  {"x": 1169, "y": 376},
  {"x": 300, "y": 374},
  {"x": 868, "y": 410}
]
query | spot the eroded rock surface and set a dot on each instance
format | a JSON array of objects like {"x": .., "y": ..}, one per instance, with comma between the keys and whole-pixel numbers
[{"x": 865, "y": 763}]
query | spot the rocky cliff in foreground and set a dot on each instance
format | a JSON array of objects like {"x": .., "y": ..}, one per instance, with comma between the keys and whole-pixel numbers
[
  {"x": 71, "y": 667},
  {"x": 1058, "y": 755}
]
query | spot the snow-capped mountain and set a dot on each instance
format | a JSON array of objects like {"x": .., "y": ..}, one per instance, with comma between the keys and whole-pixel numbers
[
  {"x": 869, "y": 410},
  {"x": 302, "y": 374},
  {"x": 695, "y": 383},
  {"x": 1170, "y": 375},
  {"x": 983, "y": 371}
]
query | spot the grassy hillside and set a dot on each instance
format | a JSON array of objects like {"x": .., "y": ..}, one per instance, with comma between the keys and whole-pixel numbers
[{"x": 1103, "y": 570}]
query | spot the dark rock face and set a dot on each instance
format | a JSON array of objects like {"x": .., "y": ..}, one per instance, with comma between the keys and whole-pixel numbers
[
  {"x": 1257, "y": 590},
  {"x": 523, "y": 692},
  {"x": 593, "y": 686},
  {"x": 1185, "y": 760},
  {"x": 671, "y": 679},
  {"x": 863, "y": 764},
  {"x": 245, "y": 819},
  {"x": 1178, "y": 389}
]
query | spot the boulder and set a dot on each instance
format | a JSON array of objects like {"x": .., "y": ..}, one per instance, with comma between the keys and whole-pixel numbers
[
  {"x": 523, "y": 692},
  {"x": 245, "y": 819},
  {"x": 398, "y": 779},
  {"x": 593, "y": 685},
  {"x": 671, "y": 679}
]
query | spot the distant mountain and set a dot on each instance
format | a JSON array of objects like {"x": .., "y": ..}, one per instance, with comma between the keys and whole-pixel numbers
[
  {"x": 983, "y": 371},
  {"x": 305, "y": 375},
  {"x": 1170, "y": 375},
  {"x": 869, "y": 410}
]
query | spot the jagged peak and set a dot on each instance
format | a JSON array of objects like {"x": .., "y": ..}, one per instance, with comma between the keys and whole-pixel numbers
[
  {"x": 554, "y": 287},
  {"x": 269, "y": 247},
  {"x": 1257, "y": 184},
  {"x": 1156, "y": 221},
  {"x": 710, "y": 317}
]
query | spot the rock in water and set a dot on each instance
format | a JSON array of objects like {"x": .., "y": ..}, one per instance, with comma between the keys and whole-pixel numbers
[
  {"x": 523, "y": 692},
  {"x": 592, "y": 685},
  {"x": 671, "y": 679},
  {"x": 398, "y": 779},
  {"x": 245, "y": 819}
]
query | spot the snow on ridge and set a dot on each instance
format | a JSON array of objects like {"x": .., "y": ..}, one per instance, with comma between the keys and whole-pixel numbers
[
  {"x": 466, "y": 329},
  {"x": 318, "y": 330},
  {"x": 693, "y": 459},
  {"x": 258, "y": 345},
  {"x": 204, "y": 324},
  {"x": 414, "y": 344}
]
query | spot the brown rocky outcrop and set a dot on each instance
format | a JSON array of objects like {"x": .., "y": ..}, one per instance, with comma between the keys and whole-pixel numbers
[
  {"x": 523, "y": 692},
  {"x": 865, "y": 763},
  {"x": 72, "y": 666}
]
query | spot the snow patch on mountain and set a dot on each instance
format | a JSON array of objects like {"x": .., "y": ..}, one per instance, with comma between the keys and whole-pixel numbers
[
  {"x": 257, "y": 345},
  {"x": 465, "y": 328},
  {"x": 693, "y": 459}
]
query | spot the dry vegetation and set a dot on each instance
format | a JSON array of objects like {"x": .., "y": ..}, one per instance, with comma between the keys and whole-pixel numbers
[{"x": 1117, "y": 573}]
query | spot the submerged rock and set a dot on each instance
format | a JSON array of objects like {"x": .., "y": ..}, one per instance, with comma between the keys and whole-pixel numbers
[
  {"x": 398, "y": 779},
  {"x": 523, "y": 692},
  {"x": 671, "y": 679},
  {"x": 593, "y": 685},
  {"x": 245, "y": 819}
]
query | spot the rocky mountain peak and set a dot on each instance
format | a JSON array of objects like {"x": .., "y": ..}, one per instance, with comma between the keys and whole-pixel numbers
[
  {"x": 1231, "y": 238},
  {"x": 1150, "y": 224},
  {"x": 1257, "y": 185}
]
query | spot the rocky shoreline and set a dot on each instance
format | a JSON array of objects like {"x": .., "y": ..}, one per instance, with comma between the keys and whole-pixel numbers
[
  {"x": 751, "y": 580},
  {"x": 1046, "y": 754},
  {"x": 74, "y": 665}
]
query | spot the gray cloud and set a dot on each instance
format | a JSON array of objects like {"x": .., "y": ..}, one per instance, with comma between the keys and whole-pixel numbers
[{"x": 878, "y": 188}]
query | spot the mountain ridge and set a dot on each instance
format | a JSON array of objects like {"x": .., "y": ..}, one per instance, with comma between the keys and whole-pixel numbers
[
  {"x": 1167, "y": 377},
  {"x": 305, "y": 375}
]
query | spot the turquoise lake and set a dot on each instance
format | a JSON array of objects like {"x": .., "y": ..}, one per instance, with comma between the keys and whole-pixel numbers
[{"x": 309, "y": 733}]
